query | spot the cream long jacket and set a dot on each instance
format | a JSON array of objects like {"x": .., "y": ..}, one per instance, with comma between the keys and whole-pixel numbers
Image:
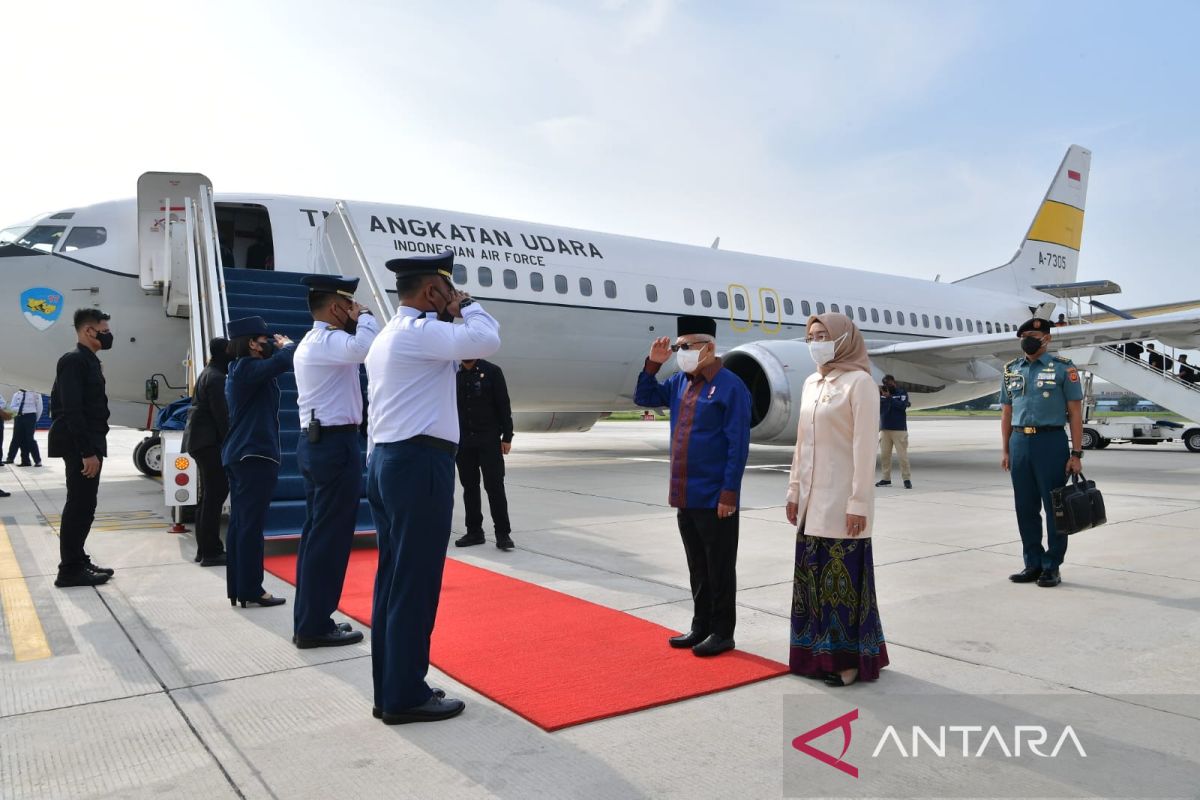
[{"x": 833, "y": 467}]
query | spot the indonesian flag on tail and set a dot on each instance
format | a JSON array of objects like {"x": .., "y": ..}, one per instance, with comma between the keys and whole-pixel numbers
[{"x": 1073, "y": 175}]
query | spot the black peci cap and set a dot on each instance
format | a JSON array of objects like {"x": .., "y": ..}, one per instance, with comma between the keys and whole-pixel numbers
[{"x": 688, "y": 325}]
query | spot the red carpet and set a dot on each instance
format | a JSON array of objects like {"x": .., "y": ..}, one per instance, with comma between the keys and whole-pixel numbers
[{"x": 553, "y": 659}]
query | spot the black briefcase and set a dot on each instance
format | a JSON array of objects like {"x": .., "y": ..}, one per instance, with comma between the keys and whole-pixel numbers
[{"x": 1078, "y": 506}]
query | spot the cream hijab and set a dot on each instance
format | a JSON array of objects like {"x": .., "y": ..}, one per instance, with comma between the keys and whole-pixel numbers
[{"x": 851, "y": 351}]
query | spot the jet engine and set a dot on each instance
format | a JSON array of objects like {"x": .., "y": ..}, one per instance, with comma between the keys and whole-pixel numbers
[
  {"x": 774, "y": 372},
  {"x": 555, "y": 421}
]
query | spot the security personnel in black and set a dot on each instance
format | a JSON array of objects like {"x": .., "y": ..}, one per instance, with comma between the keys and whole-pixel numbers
[
  {"x": 329, "y": 453},
  {"x": 1040, "y": 393},
  {"x": 78, "y": 435},
  {"x": 486, "y": 432}
]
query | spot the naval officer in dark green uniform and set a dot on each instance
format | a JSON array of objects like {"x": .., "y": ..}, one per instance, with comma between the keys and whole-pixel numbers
[{"x": 1040, "y": 393}]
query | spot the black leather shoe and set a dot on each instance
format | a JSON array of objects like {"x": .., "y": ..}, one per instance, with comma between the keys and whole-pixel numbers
[
  {"x": 432, "y": 710},
  {"x": 335, "y": 638},
  {"x": 24, "y": 465},
  {"x": 883, "y": 483},
  {"x": 214, "y": 561},
  {"x": 1049, "y": 578},
  {"x": 377, "y": 712},
  {"x": 1027, "y": 575},
  {"x": 689, "y": 639},
  {"x": 504, "y": 542},
  {"x": 908, "y": 484},
  {"x": 269, "y": 600},
  {"x": 80, "y": 578},
  {"x": 713, "y": 645},
  {"x": 469, "y": 539},
  {"x": 99, "y": 570},
  {"x": 5, "y": 494}
]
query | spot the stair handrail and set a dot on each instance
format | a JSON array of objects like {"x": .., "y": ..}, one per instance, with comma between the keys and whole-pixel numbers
[
  {"x": 1162, "y": 373},
  {"x": 214, "y": 289},
  {"x": 383, "y": 305},
  {"x": 197, "y": 320}
]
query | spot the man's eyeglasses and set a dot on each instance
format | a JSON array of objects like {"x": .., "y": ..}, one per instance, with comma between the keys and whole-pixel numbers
[{"x": 675, "y": 348}]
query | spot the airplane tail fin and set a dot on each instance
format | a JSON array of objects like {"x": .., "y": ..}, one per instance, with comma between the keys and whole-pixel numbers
[{"x": 1050, "y": 251}]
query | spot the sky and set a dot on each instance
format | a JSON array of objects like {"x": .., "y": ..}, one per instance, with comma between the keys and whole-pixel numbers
[{"x": 914, "y": 138}]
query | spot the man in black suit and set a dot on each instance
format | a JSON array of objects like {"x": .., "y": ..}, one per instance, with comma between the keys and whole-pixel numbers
[{"x": 79, "y": 410}]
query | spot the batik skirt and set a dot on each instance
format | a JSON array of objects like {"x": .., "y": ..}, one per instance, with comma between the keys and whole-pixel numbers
[{"x": 835, "y": 617}]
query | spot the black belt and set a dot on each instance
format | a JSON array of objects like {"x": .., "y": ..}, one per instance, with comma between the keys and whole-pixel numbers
[
  {"x": 333, "y": 428},
  {"x": 436, "y": 443},
  {"x": 1030, "y": 430}
]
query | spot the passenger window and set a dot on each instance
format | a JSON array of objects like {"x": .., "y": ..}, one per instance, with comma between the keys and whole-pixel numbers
[
  {"x": 834, "y": 308},
  {"x": 849, "y": 311},
  {"x": 788, "y": 308},
  {"x": 769, "y": 303},
  {"x": 82, "y": 238},
  {"x": 510, "y": 279},
  {"x": 978, "y": 326},
  {"x": 585, "y": 287},
  {"x": 560, "y": 284},
  {"x": 958, "y": 323},
  {"x": 651, "y": 292},
  {"x": 610, "y": 289},
  {"x": 485, "y": 276},
  {"x": 949, "y": 324},
  {"x": 739, "y": 300},
  {"x": 689, "y": 297},
  {"x": 821, "y": 307},
  {"x": 722, "y": 300},
  {"x": 42, "y": 237},
  {"x": 970, "y": 327},
  {"x": 912, "y": 318},
  {"x": 925, "y": 320},
  {"x": 874, "y": 315},
  {"x": 989, "y": 327},
  {"x": 887, "y": 316},
  {"x": 862, "y": 315},
  {"x": 536, "y": 282},
  {"x": 937, "y": 322},
  {"x": 805, "y": 309},
  {"x": 706, "y": 298},
  {"x": 460, "y": 274}
]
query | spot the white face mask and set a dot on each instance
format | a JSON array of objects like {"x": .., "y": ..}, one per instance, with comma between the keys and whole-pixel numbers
[
  {"x": 823, "y": 352},
  {"x": 688, "y": 360}
]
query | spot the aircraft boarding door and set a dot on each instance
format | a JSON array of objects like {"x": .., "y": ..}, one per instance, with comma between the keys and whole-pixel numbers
[
  {"x": 163, "y": 243},
  {"x": 337, "y": 251},
  {"x": 740, "y": 315},
  {"x": 768, "y": 303}
]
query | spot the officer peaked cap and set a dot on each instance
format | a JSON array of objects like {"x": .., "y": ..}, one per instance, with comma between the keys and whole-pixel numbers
[
  {"x": 331, "y": 284},
  {"x": 441, "y": 264},
  {"x": 688, "y": 325},
  {"x": 248, "y": 326},
  {"x": 1037, "y": 325}
]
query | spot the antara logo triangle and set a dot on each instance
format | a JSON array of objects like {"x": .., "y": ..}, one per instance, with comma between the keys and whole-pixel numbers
[{"x": 801, "y": 743}]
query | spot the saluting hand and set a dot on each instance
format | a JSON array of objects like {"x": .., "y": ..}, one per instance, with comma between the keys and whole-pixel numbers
[
  {"x": 453, "y": 308},
  {"x": 281, "y": 340},
  {"x": 660, "y": 351}
]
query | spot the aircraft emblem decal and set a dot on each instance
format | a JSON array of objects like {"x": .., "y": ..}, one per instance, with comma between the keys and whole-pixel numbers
[{"x": 41, "y": 307}]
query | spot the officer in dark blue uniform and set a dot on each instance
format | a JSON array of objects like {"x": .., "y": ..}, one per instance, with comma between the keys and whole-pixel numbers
[
  {"x": 329, "y": 454},
  {"x": 1040, "y": 393},
  {"x": 250, "y": 453}
]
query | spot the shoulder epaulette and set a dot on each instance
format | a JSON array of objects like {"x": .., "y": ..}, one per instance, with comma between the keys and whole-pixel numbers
[
  {"x": 1013, "y": 363},
  {"x": 1063, "y": 359}
]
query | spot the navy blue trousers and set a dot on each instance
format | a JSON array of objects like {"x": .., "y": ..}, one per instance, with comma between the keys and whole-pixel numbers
[
  {"x": 1038, "y": 465},
  {"x": 332, "y": 471},
  {"x": 411, "y": 490},
  {"x": 24, "y": 426},
  {"x": 251, "y": 484}
]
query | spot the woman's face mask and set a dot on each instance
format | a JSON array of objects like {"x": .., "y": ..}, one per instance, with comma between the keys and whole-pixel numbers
[
  {"x": 823, "y": 352},
  {"x": 267, "y": 348}
]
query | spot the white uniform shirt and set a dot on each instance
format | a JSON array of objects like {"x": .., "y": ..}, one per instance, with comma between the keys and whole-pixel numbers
[
  {"x": 33, "y": 403},
  {"x": 833, "y": 467},
  {"x": 411, "y": 372},
  {"x": 326, "y": 365}
]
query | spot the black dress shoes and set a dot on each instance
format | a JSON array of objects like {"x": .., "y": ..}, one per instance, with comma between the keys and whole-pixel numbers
[
  {"x": 214, "y": 561},
  {"x": 689, "y": 639},
  {"x": 713, "y": 645},
  {"x": 99, "y": 570},
  {"x": 908, "y": 484},
  {"x": 377, "y": 712},
  {"x": 883, "y": 483},
  {"x": 1027, "y": 575},
  {"x": 269, "y": 600},
  {"x": 504, "y": 542},
  {"x": 80, "y": 577},
  {"x": 432, "y": 710},
  {"x": 1050, "y": 577},
  {"x": 335, "y": 638},
  {"x": 469, "y": 539},
  {"x": 5, "y": 494}
]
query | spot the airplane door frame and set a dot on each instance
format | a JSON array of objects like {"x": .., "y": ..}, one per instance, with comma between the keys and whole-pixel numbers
[
  {"x": 777, "y": 322},
  {"x": 739, "y": 325}
]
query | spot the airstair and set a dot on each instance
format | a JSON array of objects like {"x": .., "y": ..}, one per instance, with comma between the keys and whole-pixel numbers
[{"x": 1164, "y": 388}]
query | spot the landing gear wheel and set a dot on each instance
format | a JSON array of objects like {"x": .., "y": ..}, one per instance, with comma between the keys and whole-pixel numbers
[
  {"x": 1091, "y": 439},
  {"x": 147, "y": 456},
  {"x": 1191, "y": 440}
]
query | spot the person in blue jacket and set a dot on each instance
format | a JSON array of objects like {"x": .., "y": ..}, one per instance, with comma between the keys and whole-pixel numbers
[
  {"x": 251, "y": 451},
  {"x": 710, "y": 442}
]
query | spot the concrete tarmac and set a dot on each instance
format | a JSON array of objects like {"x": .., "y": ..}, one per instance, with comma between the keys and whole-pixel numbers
[{"x": 153, "y": 686}]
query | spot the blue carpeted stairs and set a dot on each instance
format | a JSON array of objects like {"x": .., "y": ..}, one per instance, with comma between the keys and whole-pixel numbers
[{"x": 280, "y": 299}]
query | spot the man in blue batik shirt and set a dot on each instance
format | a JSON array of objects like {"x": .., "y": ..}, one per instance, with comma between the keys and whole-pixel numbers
[{"x": 710, "y": 441}]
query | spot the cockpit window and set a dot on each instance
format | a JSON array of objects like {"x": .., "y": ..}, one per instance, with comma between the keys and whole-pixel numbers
[
  {"x": 41, "y": 237},
  {"x": 81, "y": 238}
]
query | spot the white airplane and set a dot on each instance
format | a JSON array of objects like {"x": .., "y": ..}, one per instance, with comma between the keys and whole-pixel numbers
[{"x": 577, "y": 309}]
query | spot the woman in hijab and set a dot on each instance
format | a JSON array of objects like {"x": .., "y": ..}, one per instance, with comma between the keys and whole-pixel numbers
[
  {"x": 207, "y": 426},
  {"x": 836, "y": 633},
  {"x": 251, "y": 451}
]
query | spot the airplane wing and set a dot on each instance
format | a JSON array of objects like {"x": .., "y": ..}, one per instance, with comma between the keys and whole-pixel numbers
[
  {"x": 1145, "y": 311},
  {"x": 980, "y": 358}
]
